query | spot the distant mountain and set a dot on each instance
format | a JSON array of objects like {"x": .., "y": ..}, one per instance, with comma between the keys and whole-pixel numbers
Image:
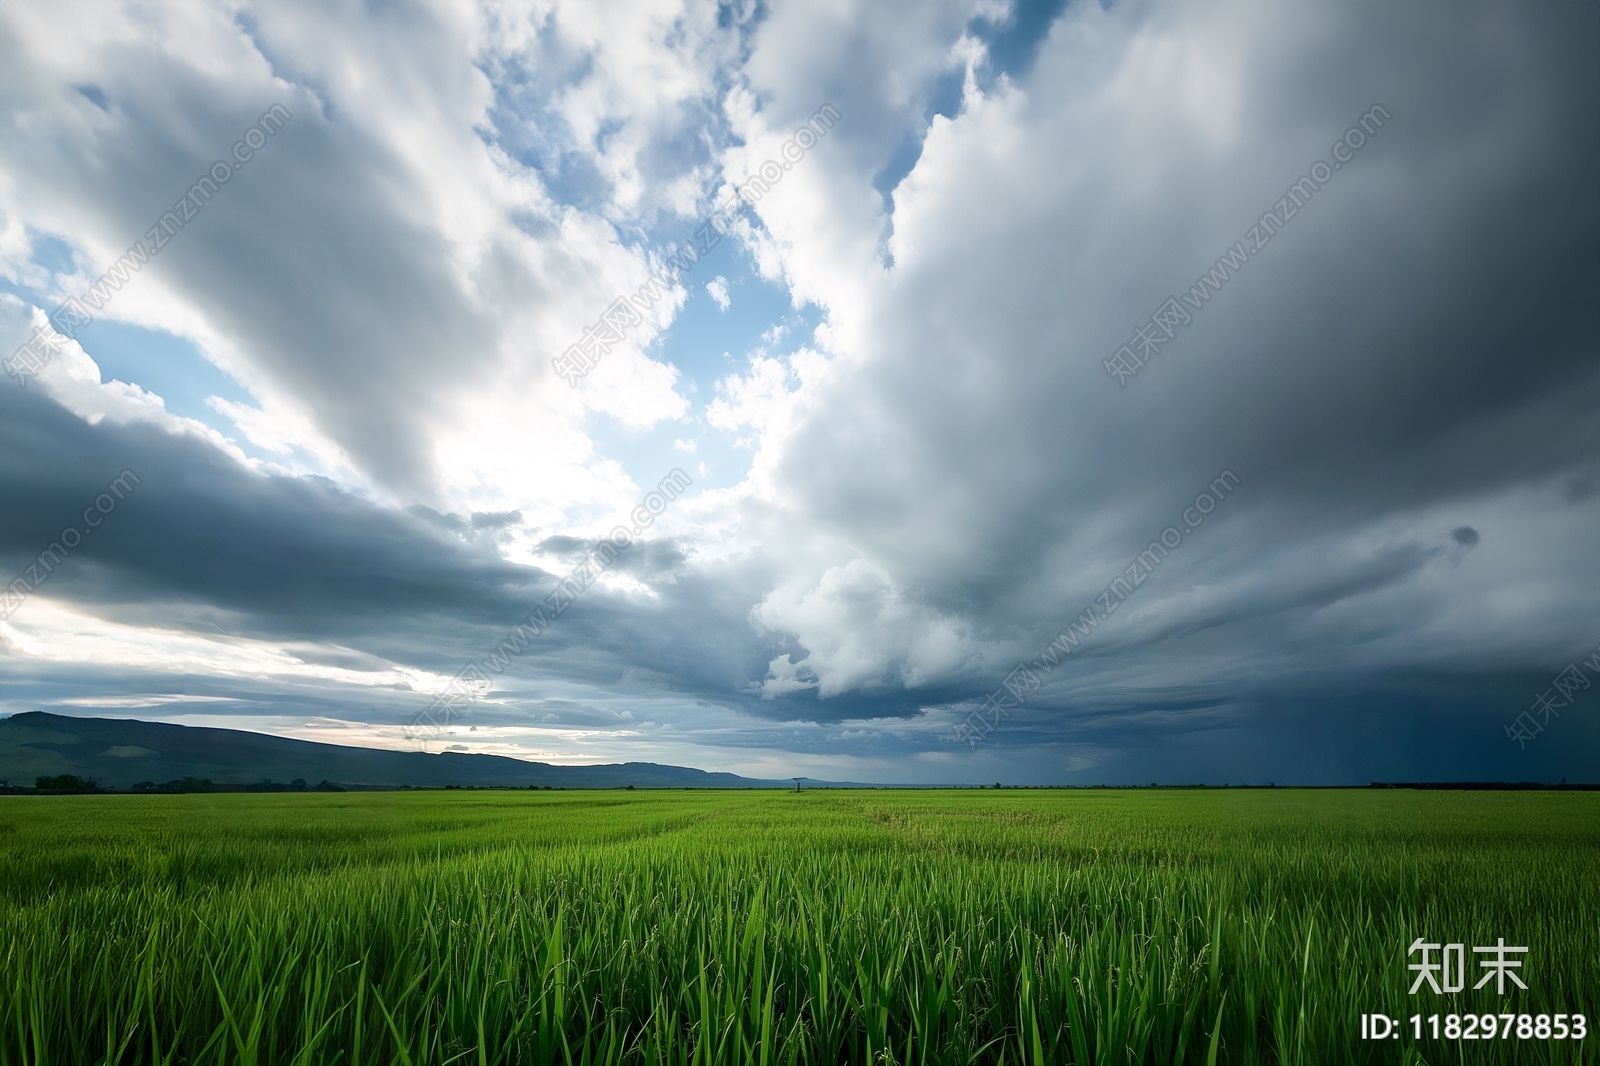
[{"x": 121, "y": 752}]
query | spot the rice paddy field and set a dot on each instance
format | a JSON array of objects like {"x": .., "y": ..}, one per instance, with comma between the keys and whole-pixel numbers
[{"x": 766, "y": 927}]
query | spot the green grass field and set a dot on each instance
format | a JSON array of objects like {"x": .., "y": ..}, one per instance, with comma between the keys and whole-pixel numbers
[{"x": 678, "y": 927}]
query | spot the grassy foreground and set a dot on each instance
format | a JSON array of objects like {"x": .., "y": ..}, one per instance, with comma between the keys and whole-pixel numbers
[{"x": 679, "y": 927}]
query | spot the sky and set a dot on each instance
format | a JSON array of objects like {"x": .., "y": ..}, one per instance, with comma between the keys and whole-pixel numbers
[{"x": 1052, "y": 393}]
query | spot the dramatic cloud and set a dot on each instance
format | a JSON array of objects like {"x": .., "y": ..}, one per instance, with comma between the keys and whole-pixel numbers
[{"x": 920, "y": 453}]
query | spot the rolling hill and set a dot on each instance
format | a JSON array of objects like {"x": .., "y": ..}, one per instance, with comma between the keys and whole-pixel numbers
[{"x": 121, "y": 752}]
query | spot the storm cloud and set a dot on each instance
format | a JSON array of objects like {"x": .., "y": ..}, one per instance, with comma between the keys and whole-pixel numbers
[{"x": 1351, "y": 246}]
